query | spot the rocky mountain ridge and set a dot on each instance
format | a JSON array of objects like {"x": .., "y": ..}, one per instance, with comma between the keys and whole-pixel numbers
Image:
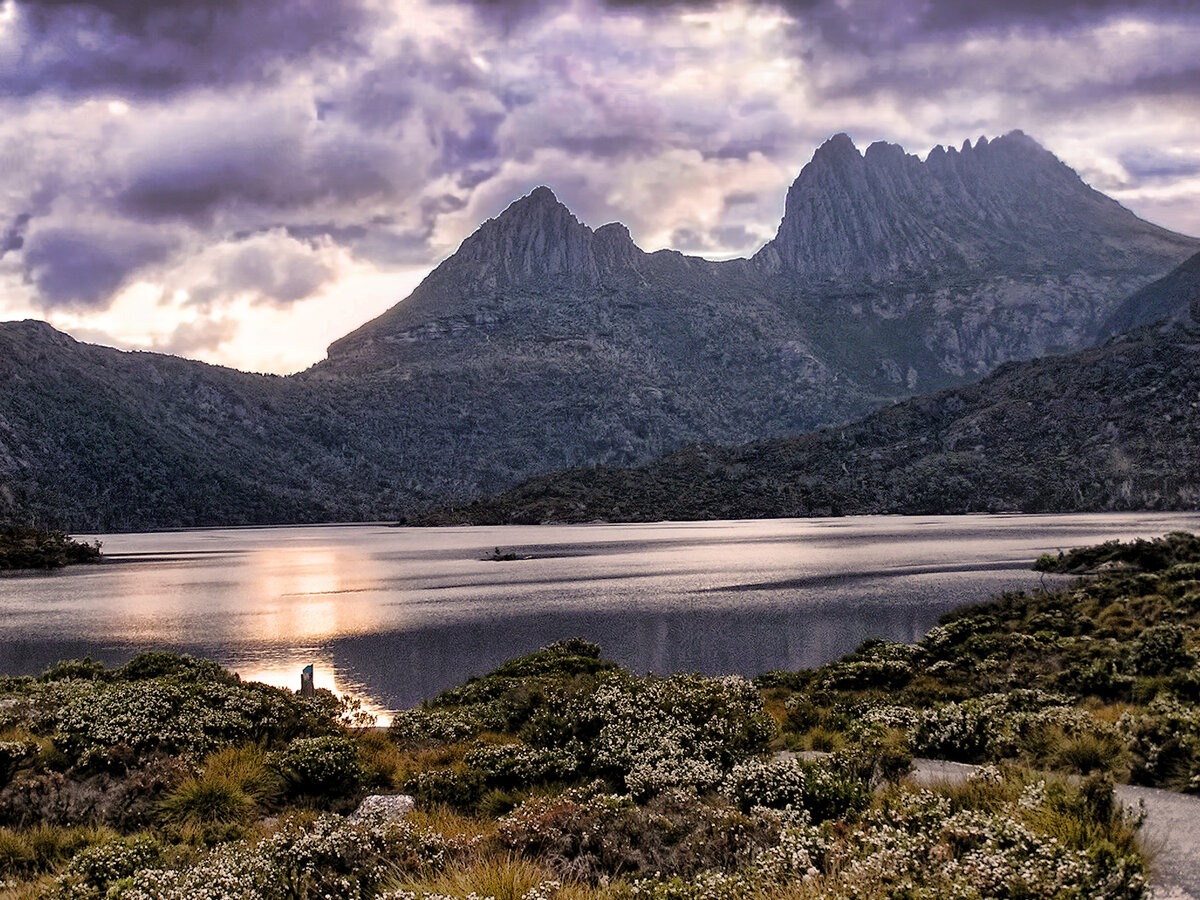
[{"x": 543, "y": 344}]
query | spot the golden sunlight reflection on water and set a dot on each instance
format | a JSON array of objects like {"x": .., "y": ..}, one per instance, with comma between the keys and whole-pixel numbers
[
  {"x": 284, "y": 673},
  {"x": 394, "y": 615},
  {"x": 310, "y": 594}
]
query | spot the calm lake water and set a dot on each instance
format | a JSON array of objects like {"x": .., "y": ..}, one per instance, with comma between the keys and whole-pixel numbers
[{"x": 394, "y": 615}]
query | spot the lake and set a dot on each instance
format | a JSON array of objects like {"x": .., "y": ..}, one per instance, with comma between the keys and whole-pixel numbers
[{"x": 393, "y": 615}]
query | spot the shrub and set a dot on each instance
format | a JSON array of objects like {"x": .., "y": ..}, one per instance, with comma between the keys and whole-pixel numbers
[
  {"x": 459, "y": 788},
  {"x": 12, "y": 755},
  {"x": 590, "y": 834},
  {"x": 326, "y": 857},
  {"x": 321, "y": 766},
  {"x": 1160, "y": 649},
  {"x": 519, "y": 765},
  {"x": 93, "y": 870},
  {"x": 126, "y": 721},
  {"x": 821, "y": 788},
  {"x": 427, "y": 727}
]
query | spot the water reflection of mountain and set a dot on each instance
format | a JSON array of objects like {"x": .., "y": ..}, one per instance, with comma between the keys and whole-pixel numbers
[{"x": 404, "y": 667}]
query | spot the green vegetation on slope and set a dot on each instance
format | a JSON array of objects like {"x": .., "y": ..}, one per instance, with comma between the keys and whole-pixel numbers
[
  {"x": 1112, "y": 428},
  {"x": 32, "y": 548},
  {"x": 560, "y": 776},
  {"x": 1101, "y": 676}
]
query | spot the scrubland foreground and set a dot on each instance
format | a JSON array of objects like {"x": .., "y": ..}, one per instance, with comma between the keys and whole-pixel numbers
[{"x": 560, "y": 775}]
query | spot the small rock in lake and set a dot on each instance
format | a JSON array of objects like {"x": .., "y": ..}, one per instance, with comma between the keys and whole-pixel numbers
[{"x": 386, "y": 806}]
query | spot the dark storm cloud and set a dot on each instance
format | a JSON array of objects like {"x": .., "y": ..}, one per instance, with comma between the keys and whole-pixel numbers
[
  {"x": 881, "y": 22},
  {"x": 253, "y": 160},
  {"x": 13, "y": 238},
  {"x": 151, "y": 48},
  {"x": 438, "y": 82},
  {"x": 1149, "y": 163},
  {"x": 969, "y": 14},
  {"x": 187, "y": 175},
  {"x": 84, "y": 268}
]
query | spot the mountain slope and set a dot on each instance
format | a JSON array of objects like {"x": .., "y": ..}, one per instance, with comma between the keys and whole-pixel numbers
[
  {"x": 1175, "y": 296},
  {"x": 95, "y": 439},
  {"x": 1109, "y": 428}
]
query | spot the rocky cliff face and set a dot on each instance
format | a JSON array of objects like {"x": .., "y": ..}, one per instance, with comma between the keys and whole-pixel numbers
[
  {"x": 536, "y": 238},
  {"x": 1002, "y": 205},
  {"x": 906, "y": 274}
]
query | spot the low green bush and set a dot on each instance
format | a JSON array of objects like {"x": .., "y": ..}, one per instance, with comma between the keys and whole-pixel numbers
[{"x": 321, "y": 766}]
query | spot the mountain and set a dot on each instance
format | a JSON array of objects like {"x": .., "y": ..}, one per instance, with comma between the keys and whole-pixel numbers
[
  {"x": 1110, "y": 428},
  {"x": 901, "y": 274},
  {"x": 543, "y": 344},
  {"x": 1007, "y": 205},
  {"x": 1176, "y": 297}
]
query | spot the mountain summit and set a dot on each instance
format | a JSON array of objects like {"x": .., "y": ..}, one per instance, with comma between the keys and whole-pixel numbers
[
  {"x": 535, "y": 238},
  {"x": 1006, "y": 204}
]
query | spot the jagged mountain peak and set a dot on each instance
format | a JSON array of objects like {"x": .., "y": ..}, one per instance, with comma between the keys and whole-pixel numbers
[
  {"x": 838, "y": 148},
  {"x": 1004, "y": 202},
  {"x": 534, "y": 239}
]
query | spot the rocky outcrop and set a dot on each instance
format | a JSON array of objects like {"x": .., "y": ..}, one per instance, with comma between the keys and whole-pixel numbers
[{"x": 1003, "y": 205}]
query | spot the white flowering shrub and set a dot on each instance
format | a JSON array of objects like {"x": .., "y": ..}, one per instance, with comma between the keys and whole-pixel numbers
[
  {"x": 684, "y": 731},
  {"x": 582, "y": 717},
  {"x": 93, "y": 870},
  {"x": 903, "y": 718},
  {"x": 433, "y": 726},
  {"x": 519, "y": 765},
  {"x": 917, "y": 846},
  {"x": 820, "y": 788},
  {"x": 322, "y": 766},
  {"x": 326, "y": 858},
  {"x": 875, "y": 664},
  {"x": 996, "y": 726},
  {"x": 1165, "y": 741},
  {"x": 175, "y": 716}
]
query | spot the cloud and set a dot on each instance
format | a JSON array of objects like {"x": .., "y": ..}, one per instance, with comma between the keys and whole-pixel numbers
[
  {"x": 156, "y": 48},
  {"x": 1151, "y": 163},
  {"x": 254, "y": 158},
  {"x": 13, "y": 238},
  {"x": 82, "y": 267},
  {"x": 202, "y": 334},
  {"x": 247, "y": 154},
  {"x": 270, "y": 268}
]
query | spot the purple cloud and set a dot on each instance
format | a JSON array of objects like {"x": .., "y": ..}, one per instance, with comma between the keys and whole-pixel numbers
[
  {"x": 13, "y": 238},
  {"x": 1150, "y": 163},
  {"x": 83, "y": 268},
  {"x": 154, "y": 48}
]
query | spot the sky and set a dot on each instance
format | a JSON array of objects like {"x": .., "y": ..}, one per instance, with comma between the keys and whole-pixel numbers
[{"x": 244, "y": 181}]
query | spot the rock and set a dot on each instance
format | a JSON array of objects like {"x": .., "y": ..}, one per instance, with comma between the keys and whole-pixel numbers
[{"x": 386, "y": 806}]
